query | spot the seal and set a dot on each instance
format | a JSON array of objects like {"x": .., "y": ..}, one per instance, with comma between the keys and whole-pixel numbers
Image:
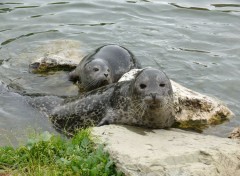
[
  {"x": 104, "y": 66},
  {"x": 145, "y": 101}
]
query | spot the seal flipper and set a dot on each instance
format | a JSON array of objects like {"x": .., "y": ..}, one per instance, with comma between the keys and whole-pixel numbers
[
  {"x": 108, "y": 119},
  {"x": 103, "y": 122},
  {"x": 45, "y": 103},
  {"x": 86, "y": 111}
]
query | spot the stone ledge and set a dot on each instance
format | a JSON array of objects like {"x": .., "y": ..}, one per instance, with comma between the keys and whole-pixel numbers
[{"x": 142, "y": 152}]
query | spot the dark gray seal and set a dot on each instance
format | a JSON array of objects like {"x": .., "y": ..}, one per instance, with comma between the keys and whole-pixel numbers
[
  {"x": 145, "y": 101},
  {"x": 104, "y": 66}
]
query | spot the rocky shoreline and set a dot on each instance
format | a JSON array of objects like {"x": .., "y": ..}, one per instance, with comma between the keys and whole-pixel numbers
[{"x": 173, "y": 152}]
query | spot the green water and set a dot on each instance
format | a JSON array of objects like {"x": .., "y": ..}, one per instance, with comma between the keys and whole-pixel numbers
[{"x": 196, "y": 43}]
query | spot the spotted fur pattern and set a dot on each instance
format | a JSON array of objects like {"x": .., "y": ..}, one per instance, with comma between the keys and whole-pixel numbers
[{"x": 145, "y": 101}]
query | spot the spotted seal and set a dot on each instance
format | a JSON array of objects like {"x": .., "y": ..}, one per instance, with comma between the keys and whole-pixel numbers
[
  {"x": 145, "y": 101},
  {"x": 104, "y": 66}
]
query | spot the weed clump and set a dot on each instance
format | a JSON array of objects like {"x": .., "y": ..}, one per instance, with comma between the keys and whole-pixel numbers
[{"x": 48, "y": 154}]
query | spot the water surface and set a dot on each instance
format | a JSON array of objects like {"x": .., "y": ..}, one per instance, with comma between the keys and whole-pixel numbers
[{"x": 196, "y": 43}]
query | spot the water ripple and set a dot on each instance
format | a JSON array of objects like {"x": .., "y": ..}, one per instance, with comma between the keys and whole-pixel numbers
[
  {"x": 96, "y": 24},
  {"x": 193, "y": 50},
  {"x": 26, "y": 35},
  {"x": 58, "y": 3},
  {"x": 226, "y": 5},
  {"x": 36, "y": 16},
  {"x": 4, "y": 30},
  {"x": 25, "y": 7},
  {"x": 210, "y": 9},
  {"x": 8, "y": 9},
  {"x": 4, "y": 10},
  {"x": 192, "y": 8},
  {"x": 9, "y": 3}
]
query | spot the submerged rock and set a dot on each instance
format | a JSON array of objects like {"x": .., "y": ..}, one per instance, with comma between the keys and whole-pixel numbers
[
  {"x": 58, "y": 55},
  {"x": 141, "y": 152},
  {"x": 52, "y": 63}
]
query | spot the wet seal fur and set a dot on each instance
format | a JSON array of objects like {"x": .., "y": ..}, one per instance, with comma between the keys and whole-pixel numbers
[
  {"x": 145, "y": 101},
  {"x": 104, "y": 66}
]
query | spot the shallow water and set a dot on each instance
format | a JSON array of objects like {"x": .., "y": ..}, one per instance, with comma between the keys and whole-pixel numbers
[{"x": 196, "y": 43}]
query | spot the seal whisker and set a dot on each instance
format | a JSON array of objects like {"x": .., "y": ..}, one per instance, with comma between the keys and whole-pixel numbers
[
  {"x": 142, "y": 110},
  {"x": 139, "y": 109}
]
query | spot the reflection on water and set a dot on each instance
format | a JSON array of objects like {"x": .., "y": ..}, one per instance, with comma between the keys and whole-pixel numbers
[{"x": 195, "y": 43}]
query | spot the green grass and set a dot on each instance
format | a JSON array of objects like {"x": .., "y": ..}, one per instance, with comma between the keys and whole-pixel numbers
[{"x": 48, "y": 154}]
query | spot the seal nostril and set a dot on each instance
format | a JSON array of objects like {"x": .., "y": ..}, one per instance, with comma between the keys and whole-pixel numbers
[
  {"x": 106, "y": 75},
  {"x": 143, "y": 86},
  {"x": 162, "y": 85},
  {"x": 153, "y": 95}
]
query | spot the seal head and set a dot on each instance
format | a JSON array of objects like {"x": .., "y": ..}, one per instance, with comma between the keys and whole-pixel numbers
[
  {"x": 152, "y": 99},
  {"x": 95, "y": 73},
  {"x": 146, "y": 102},
  {"x": 151, "y": 87}
]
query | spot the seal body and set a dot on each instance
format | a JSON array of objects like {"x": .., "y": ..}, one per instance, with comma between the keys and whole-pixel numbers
[
  {"x": 104, "y": 66},
  {"x": 145, "y": 101}
]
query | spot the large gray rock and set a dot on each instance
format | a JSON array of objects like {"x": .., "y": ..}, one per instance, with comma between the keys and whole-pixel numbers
[{"x": 141, "y": 152}]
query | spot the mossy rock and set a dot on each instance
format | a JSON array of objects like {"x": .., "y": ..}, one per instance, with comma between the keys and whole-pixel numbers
[{"x": 51, "y": 64}]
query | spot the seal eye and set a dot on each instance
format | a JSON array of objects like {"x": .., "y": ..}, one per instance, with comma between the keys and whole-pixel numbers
[
  {"x": 95, "y": 69},
  {"x": 108, "y": 70},
  {"x": 162, "y": 85},
  {"x": 143, "y": 86}
]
